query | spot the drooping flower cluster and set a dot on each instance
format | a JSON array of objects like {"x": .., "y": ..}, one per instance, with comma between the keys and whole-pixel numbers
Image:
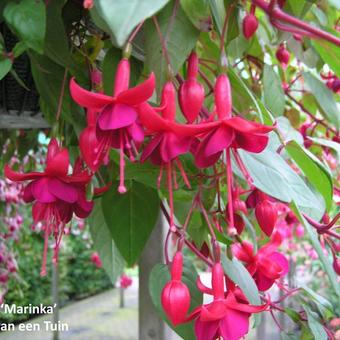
[{"x": 56, "y": 194}]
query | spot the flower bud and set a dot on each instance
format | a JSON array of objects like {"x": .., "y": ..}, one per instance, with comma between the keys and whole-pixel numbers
[
  {"x": 223, "y": 98},
  {"x": 250, "y": 25},
  {"x": 283, "y": 55},
  {"x": 266, "y": 215},
  {"x": 169, "y": 101},
  {"x": 336, "y": 265},
  {"x": 191, "y": 92},
  {"x": 175, "y": 295}
]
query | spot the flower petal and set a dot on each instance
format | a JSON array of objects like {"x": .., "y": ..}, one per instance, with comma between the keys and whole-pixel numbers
[
  {"x": 27, "y": 195},
  {"x": 211, "y": 147},
  {"x": 138, "y": 94},
  {"x": 172, "y": 146},
  {"x": 58, "y": 165},
  {"x": 88, "y": 99},
  {"x": 136, "y": 132},
  {"x": 206, "y": 330},
  {"x": 116, "y": 116},
  {"x": 41, "y": 192},
  {"x": 63, "y": 191},
  {"x": 251, "y": 142},
  {"x": 17, "y": 176},
  {"x": 263, "y": 282},
  {"x": 234, "y": 325},
  {"x": 282, "y": 261},
  {"x": 150, "y": 148},
  {"x": 39, "y": 212},
  {"x": 244, "y": 125}
]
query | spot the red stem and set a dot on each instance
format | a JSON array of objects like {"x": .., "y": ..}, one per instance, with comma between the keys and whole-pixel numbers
[{"x": 275, "y": 13}]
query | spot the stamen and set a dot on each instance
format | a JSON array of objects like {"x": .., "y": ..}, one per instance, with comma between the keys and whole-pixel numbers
[
  {"x": 121, "y": 188},
  {"x": 182, "y": 171},
  {"x": 230, "y": 189},
  {"x": 171, "y": 200},
  {"x": 43, "y": 266}
]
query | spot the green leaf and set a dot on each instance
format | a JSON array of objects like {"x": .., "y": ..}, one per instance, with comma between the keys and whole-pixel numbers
[
  {"x": 198, "y": 12},
  {"x": 328, "y": 143},
  {"x": 27, "y": 19},
  {"x": 159, "y": 277},
  {"x": 181, "y": 39},
  {"x": 113, "y": 262},
  {"x": 317, "y": 246},
  {"x": 56, "y": 43},
  {"x": 123, "y": 16},
  {"x": 321, "y": 302},
  {"x": 240, "y": 276},
  {"x": 131, "y": 218},
  {"x": 274, "y": 97},
  {"x": 314, "y": 170},
  {"x": 329, "y": 53},
  {"x": 272, "y": 175},
  {"x": 218, "y": 12},
  {"x": 5, "y": 67},
  {"x": 314, "y": 325},
  {"x": 49, "y": 78},
  {"x": 324, "y": 97},
  {"x": 244, "y": 99}
]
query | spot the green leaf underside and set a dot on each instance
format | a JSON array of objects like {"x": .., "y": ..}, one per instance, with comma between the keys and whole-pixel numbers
[{"x": 131, "y": 218}]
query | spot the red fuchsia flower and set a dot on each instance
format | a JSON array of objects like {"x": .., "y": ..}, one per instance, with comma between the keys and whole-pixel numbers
[
  {"x": 117, "y": 124},
  {"x": 166, "y": 146},
  {"x": 267, "y": 265},
  {"x": 175, "y": 295},
  {"x": 249, "y": 25},
  {"x": 125, "y": 281},
  {"x": 95, "y": 259},
  {"x": 229, "y": 132},
  {"x": 56, "y": 195},
  {"x": 191, "y": 92},
  {"x": 283, "y": 56},
  {"x": 228, "y": 315}
]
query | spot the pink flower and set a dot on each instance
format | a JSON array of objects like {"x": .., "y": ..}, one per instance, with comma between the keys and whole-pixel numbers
[
  {"x": 267, "y": 265},
  {"x": 228, "y": 315},
  {"x": 125, "y": 281},
  {"x": 117, "y": 125},
  {"x": 95, "y": 259},
  {"x": 56, "y": 195}
]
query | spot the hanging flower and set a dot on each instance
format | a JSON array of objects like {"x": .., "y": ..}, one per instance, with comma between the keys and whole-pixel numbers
[
  {"x": 228, "y": 315},
  {"x": 175, "y": 296},
  {"x": 56, "y": 195},
  {"x": 117, "y": 124},
  {"x": 166, "y": 145},
  {"x": 267, "y": 265},
  {"x": 191, "y": 92},
  {"x": 125, "y": 281}
]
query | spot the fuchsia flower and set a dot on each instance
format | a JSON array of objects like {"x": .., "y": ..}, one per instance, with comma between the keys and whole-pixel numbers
[
  {"x": 175, "y": 296},
  {"x": 191, "y": 92},
  {"x": 166, "y": 145},
  {"x": 95, "y": 259},
  {"x": 125, "y": 281},
  {"x": 267, "y": 265},
  {"x": 117, "y": 125},
  {"x": 229, "y": 132},
  {"x": 218, "y": 135},
  {"x": 228, "y": 315},
  {"x": 56, "y": 195}
]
